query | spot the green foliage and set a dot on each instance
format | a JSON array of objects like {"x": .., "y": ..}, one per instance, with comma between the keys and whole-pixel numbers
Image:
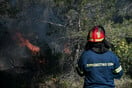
[
  {"x": 117, "y": 34},
  {"x": 123, "y": 50},
  {"x": 64, "y": 84}
]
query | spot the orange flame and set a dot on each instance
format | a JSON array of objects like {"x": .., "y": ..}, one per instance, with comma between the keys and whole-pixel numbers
[{"x": 25, "y": 42}]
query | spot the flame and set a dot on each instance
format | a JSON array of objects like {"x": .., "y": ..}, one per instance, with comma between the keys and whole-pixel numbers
[
  {"x": 25, "y": 42},
  {"x": 67, "y": 49},
  {"x": 42, "y": 61}
]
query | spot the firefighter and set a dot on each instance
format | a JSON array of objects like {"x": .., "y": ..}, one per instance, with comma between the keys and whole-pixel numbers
[{"x": 98, "y": 64}]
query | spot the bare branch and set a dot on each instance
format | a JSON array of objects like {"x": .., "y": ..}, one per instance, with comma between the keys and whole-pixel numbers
[{"x": 56, "y": 24}]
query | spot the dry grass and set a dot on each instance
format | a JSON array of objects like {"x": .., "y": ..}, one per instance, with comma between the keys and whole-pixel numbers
[{"x": 125, "y": 82}]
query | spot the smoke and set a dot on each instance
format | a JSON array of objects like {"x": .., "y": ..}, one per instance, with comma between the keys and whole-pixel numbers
[{"x": 37, "y": 23}]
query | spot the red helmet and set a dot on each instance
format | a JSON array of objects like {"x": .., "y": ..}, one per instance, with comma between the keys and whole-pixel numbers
[{"x": 97, "y": 34}]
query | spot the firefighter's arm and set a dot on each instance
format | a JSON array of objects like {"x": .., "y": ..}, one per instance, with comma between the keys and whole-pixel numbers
[
  {"x": 79, "y": 71},
  {"x": 80, "y": 65},
  {"x": 118, "y": 71}
]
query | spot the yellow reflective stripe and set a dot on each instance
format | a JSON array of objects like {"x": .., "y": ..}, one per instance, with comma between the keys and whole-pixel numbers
[
  {"x": 117, "y": 70},
  {"x": 96, "y": 39},
  {"x": 100, "y": 64}
]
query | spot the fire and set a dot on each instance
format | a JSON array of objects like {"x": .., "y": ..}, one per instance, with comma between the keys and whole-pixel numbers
[
  {"x": 25, "y": 42},
  {"x": 67, "y": 49},
  {"x": 42, "y": 61}
]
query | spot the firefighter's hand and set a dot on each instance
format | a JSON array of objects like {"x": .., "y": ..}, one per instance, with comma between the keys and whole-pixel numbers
[{"x": 80, "y": 73}]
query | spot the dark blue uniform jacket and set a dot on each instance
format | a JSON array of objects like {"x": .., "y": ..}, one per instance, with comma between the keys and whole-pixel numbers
[{"x": 100, "y": 69}]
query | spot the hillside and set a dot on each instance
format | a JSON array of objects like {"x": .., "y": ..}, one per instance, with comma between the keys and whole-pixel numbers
[{"x": 41, "y": 40}]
